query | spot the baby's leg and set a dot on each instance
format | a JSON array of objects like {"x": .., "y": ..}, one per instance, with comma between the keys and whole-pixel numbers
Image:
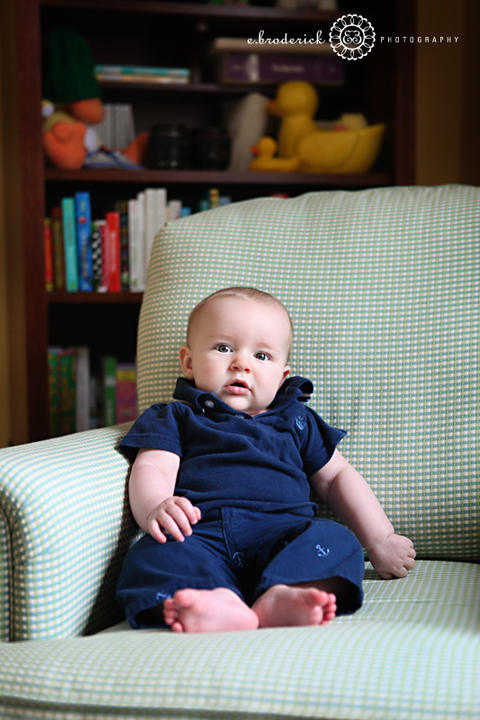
[
  {"x": 215, "y": 610},
  {"x": 302, "y": 604}
]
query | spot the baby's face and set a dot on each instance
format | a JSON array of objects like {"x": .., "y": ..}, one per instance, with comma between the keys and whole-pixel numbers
[{"x": 238, "y": 350}]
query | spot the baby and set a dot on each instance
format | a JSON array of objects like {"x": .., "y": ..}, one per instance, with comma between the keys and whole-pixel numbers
[{"x": 221, "y": 486}]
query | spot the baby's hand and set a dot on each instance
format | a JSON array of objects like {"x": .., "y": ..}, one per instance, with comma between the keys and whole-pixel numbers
[
  {"x": 392, "y": 556},
  {"x": 174, "y": 516}
]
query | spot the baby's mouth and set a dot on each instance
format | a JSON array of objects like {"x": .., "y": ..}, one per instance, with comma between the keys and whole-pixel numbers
[{"x": 238, "y": 387}]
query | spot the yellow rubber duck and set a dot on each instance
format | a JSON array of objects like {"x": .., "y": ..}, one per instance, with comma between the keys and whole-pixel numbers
[
  {"x": 296, "y": 104},
  {"x": 265, "y": 160},
  {"x": 351, "y": 147}
]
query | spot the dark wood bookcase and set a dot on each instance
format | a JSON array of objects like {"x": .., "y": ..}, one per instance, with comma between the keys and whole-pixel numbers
[{"x": 150, "y": 32}]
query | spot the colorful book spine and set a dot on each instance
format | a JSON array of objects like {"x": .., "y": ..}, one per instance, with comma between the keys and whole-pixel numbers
[
  {"x": 67, "y": 360},
  {"x": 126, "y": 393},
  {"x": 58, "y": 249},
  {"x": 82, "y": 389},
  {"x": 53, "y": 393},
  {"x": 113, "y": 252},
  {"x": 124, "y": 238},
  {"x": 125, "y": 73},
  {"x": 70, "y": 244},
  {"x": 109, "y": 390},
  {"x": 49, "y": 271},
  {"x": 83, "y": 213},
  {"x": 98, "y": 232}
]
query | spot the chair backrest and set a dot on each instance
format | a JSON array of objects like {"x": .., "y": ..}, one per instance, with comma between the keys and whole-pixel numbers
[{"x": 382, "y": 286}]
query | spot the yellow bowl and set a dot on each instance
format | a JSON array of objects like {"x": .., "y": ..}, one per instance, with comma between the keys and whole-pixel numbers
[{"x": 340, "y": 151}]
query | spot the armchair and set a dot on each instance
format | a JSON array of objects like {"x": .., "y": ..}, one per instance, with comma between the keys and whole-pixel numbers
[{"x": 382, "y": 286}]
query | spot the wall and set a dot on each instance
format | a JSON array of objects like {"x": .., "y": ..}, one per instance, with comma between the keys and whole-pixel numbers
[{"x": 448, "y": 93}]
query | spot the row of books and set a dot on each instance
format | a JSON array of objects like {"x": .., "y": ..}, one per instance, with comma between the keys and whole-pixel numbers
[
  {"x": 141, "y": 73},
  {"x": 110, "y": 254},
  {"x": 81, "y": 400},
  {"x": 117, "y": 129}
]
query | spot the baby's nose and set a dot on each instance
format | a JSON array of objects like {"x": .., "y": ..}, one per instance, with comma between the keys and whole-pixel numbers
[{"x": 241, "y": 361}]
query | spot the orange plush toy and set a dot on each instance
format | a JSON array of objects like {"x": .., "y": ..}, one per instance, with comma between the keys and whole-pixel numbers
[
  {"x": 66, "y": 140},
  {"x": 73, "y": 104}
]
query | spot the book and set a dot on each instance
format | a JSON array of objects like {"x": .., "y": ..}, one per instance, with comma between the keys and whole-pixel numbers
[
  {"x": 174, "y": 210},
  {"x": 70, "y": 244},
  {"x": 58, "y": 249},
  {"x": 69, "y": 390},
  {"x": 82, "y": 389},
  {"x": 135, "y": 248},
  {"x": 122, "y": 209},
  {"x": 155, "y": 217},
  {"x": 83, "y": 214},
  {"x": 98, "y": 242},
  {"x": 113, "y": 251},
  {"x": 117, "y": 129},
  {"x": 141, "y": 73},
  {"x": 126, "y": 392},
  {"x": 49, "y": 271},
  {"x": 53, "y": 409},
  {"x": 141, "y": 70},
  {"x": 109, "y": 390},
  {"x": 62, "y": 391}
]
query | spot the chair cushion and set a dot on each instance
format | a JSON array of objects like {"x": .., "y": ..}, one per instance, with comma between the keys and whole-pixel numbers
[
  {"x": 382, "y": 286},
  {"x": 386, "y": 661}
]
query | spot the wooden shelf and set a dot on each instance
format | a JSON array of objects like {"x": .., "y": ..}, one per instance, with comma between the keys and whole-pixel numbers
[
  {"x": 195, "y": 11},
  {"x": 60, "y": 297},
  {"x": 210, "y": 177}
]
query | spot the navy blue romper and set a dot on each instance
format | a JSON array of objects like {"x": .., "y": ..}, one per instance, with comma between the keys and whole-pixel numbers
[{"x": 249, "y": 477}]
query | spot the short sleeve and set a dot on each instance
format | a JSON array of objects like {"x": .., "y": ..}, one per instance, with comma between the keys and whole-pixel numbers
[
  {"x": 160, "y": 427},
  {"x": 321, "y": 442}
]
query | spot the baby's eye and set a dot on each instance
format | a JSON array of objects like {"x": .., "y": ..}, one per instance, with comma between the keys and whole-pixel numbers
[
  {"x": 261, "y": 356},
  {"x": 222, "y": 348}
]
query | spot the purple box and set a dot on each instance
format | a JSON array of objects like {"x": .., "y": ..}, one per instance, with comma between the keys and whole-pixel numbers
[{"x": 257, "y": 68}]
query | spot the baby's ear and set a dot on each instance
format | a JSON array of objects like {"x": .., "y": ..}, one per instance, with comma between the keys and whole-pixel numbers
[{"x": 185, "y": 357}]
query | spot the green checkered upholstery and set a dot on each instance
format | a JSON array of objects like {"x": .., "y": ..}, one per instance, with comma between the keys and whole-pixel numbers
[
  {"x": 411, "y": 653},
  {"x": 382, "y": 286},
  {"x": 383, "y": 289},
  {"x": 66, "y": 527}
]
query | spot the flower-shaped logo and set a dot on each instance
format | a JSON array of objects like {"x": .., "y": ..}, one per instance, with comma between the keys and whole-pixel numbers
[{"x": 352, "y": 37}]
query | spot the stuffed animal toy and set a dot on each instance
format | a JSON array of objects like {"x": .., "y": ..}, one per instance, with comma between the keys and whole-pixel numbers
[
  {"x": 74, "y": 102},
  {"x": 74, "y": 107},
  {"x": 66, "y": 140}
]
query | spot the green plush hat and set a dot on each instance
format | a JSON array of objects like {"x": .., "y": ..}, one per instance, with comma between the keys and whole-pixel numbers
[{"x": 68, "y": 68}]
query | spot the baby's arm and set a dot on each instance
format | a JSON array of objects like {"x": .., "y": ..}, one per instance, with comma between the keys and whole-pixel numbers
[
  {"x": 154, "y": 506},
  {"x": 343, "y": 488}
]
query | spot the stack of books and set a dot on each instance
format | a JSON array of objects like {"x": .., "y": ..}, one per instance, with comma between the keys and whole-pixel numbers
[
  {"x": 141, "y": 73},
  {"x": 80, "y": 400}
]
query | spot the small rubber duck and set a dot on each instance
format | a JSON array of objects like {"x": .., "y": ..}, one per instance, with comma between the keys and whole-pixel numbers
[{"x": 266, "y": 162}]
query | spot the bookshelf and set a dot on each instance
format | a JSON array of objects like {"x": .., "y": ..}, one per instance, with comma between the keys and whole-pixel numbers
[{"x": 150, "y": 32}]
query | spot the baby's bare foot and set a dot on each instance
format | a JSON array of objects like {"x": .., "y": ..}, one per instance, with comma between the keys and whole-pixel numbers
[
  {"x": 215, "y": 610},
  {"x": 286, "y": 605}
]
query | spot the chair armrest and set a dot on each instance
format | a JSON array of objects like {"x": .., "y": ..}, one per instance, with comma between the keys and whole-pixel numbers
[{"x": 65, "y": 526}]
